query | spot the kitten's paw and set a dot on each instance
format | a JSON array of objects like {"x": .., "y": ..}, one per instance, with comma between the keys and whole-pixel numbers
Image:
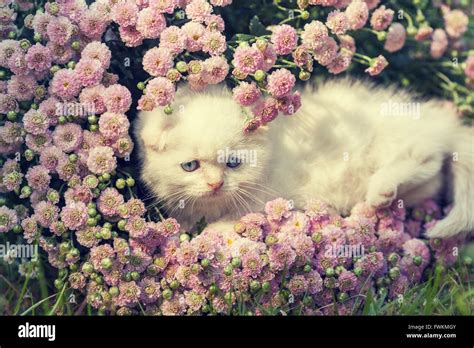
[{"x": 381, "y": 197}]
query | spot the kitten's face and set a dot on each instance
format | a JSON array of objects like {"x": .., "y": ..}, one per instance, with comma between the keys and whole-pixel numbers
[{"x": 200, "y": 154}]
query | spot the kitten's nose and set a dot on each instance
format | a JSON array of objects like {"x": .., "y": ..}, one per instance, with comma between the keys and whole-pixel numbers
[{"x": 216, "y": 185}]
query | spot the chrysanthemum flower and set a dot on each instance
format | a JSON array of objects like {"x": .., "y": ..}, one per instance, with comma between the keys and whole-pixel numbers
[
  {"x": 38, "y": 178},
  {"x": 8, "y": 219},
  {"x": 157, "y": 61},
  {"x": 396, "y": 37},
  {"x": 101, "y": 160},
  {"x": 161, "y": 90},
  {"x": 248, "y": 59},
  {"x": 74, "y": 215},
  {"x": 67, "y": 137},
  {"x": 113, "y": 125},
  {"x": 284, "y": 39}
]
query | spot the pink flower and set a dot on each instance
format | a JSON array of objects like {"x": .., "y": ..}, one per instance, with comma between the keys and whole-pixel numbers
[
  {"x": 221, "y": 3},
  {"x": 46, "y": 213},
  {"x": 338, "y": 22},
  {"x": 108, "y": 202},
  {"x": 35, "y": 122},
  {"x": 290, "y": 103},
  {"x": 74, "y": 215},
  {"x": 67, "y": 137},
  {"x": 163, "y": 6},
  {"x": 59, "y": 30},
  {"x": 161, "y": 90},
  {"x": 269, "y": 57},
  {"x": 248, "y": 59},
  {"x": 215, "y": 69},
  {"x": 7, "y": 49},
  {"x": 357, "y": 12},
  {"x": 99, "y": 51},
  {"x": 396, "y": 37},
  {"x": 40, "y": 23},
  {"x": 347, "y": 281},
  {"x": 194, "y": 32},
  {"x": 284, "y": 39},
  {"x": 123, "y": 146},
  {"x": 49, "y": 157},
  {"x": 456, "y": 22},
  {"x": 125, "y": 13},
  {"x": 65, "y": 84},
  {"x": 38, "y": 58},
  {"x": 376, "y": 66},
  {"x": 174, "y": 39},
  {"x": 149, "y": 290},
  {"x": 113, "y": 125},
  {"x": 265, "y": 110},
  {"x": 60, "y": 54},
  {"x": 101, "y": 160},
  {"x": 416, "y": 247},
  {"x": 18, "y": 65},
  {"x": 423, "y": 33},
  {"x": 94, "y": 98},
  {"x": 22, "y": 87},
  {"x": 215, "y": 23},
  {"x": 117, "y": 99},
  {"x": 214, "y": 43},
  {"x": 130, "y": 36},
  {"x": 278, "y": 209},
  {"x": 313, "y": 34},
  {"x": 246, "y": 93},
  {"x": 8, "y": 219},
  {"x": 280, "y": 82},
  {"x": 340, "y": 63},
  {"x": 326, "y": 52},
  {"x": 439, "y": 43},
  {"x": 198, "y": 10},
  {"x": 146, "y": 103},
  {"x": 381, "y": 18},
  {"x": 469, "y": 67},
  {"x": 93, "y": 24},
  {"x": 89, "y": 72},
  {"x": 150, "y": 24},
  {"x": 281, "y": 256},
  {"x": 157, "y": 61}
]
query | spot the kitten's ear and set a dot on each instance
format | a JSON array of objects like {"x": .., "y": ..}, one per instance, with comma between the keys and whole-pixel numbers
[{"x": 153, "y": 129}]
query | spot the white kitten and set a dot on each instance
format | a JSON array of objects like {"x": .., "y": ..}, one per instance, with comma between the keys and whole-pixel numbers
[{"x": 348, "y": 143}]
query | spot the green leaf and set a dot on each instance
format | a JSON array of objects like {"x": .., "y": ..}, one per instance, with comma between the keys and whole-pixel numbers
[
  {"x": 242, "y": 37},
  {"x": 201, "y": 225},
  {"x": 256, "y": 27}
]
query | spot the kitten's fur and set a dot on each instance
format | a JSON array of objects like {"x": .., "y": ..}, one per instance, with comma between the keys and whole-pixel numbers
[{"x": 339, "y": 147}]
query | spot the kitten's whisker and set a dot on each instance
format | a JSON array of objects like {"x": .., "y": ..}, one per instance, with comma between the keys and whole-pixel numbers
[
  {"x": 245, "y": 204},
  {"x": 260, "y": 185},
  {"x": 251, "y": 196}
]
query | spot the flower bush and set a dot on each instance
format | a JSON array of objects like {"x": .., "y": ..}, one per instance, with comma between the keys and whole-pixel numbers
[{"x": 68, "y": 94}]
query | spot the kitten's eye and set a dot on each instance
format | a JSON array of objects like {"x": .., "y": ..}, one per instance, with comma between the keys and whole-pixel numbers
[
  {"x": 190, "y": 166},
  {"x": 233, "y": 162}
]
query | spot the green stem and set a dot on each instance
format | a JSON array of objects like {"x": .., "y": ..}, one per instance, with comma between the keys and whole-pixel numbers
[
  {"x": 58, "y": 301},
  {"x": 43, "y": 285},
  {"x": 32, "y": 308},
  {"x": 22, "y": 294}
]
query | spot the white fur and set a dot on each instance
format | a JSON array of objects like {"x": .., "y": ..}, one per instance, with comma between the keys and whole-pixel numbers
[{"x": 341, "y": 147}]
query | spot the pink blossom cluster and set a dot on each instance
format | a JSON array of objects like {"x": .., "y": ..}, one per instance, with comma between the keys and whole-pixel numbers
[{"x": 313, "y": 261}]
